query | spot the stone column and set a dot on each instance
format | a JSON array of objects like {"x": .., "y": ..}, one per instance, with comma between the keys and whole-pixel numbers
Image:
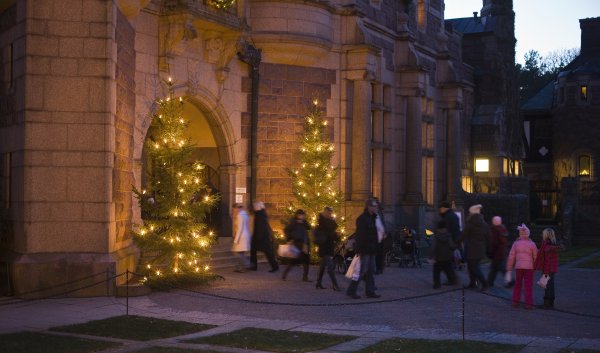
[
  {"x": 453, "y": 155},
  {"x": 414, "y": 151},
  {"x": 361, "y": 140}
]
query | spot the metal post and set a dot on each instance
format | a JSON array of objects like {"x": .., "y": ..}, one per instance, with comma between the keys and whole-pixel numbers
[
  {"x": 252, "y": 56},
  {"x": 463, "y": 313},
  {"x": 127, "y": 292}
]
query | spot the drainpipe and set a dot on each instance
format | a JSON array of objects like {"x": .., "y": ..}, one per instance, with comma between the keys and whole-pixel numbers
[{"x": 252, "y": 56}]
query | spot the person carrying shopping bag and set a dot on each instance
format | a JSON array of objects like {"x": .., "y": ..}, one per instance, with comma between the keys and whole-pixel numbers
[{"x": 547, "y": 262}]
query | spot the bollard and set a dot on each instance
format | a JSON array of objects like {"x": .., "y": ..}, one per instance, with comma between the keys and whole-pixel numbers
[
  {"x": 463, "y": 313},
  {"x": 127, "y": 292}
]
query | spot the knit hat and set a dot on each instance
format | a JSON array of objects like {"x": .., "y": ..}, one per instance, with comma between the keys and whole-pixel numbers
[
  {"x": 523, "y": 230},
  {"x": 497, "y": 220},
  {"x": 475, "y": 209}
]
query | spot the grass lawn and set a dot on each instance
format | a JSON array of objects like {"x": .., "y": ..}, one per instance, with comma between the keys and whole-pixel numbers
[
  {"x": 435, "y": 346},
  {"x": 36, "y": 342},
  {"x": 174, "y": 350},
  {"x": 133, "y": 327},
  {"x": 594, "y": 262},
  {"x": 274, "y": 340},
  {"x": 576, "y": 252}
]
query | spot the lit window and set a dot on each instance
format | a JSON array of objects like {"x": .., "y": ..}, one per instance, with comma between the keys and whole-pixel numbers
[
  {"x": 583, "y": 93},
  {"x": 467, "y": 183},
  {"x": 585, "y": 166},
  {"x": 505, "y": 164},
  {"x": 482, "y": 165}
]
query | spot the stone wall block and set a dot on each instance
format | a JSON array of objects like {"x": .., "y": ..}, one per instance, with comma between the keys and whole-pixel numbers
[
  {"x": 40, "y": 9},
  {"x": 46, "y": 136},
  {"x": 66, "y": 211},
  {"x": 280, "y": 185},
  {"x": 97, "y": 94},
  {"x": 63, "y": 66},
  {"x": 303, "y": 74},
  {"x": 34, "y": 26},
  {"x": 93, "y": 159},
  {"x": 68, "y": 29},
  {"x": 42, "y": 46},
  {"x": 86, "y": 184},
  {"x": 47, "y": 237},
  {"x": 147, "y": 44},
  {"x": 37, "y": 65},
  {"x": 67, "y": 10},
  {"x": 95, "y": 48},
  {"x": 95, "y": 211},
  {"x": 66, "y": 159},
  {"x": 273, "y": 71},
  {"x": 39, "y": 158},
  {"x": 100, "y": 30},
  {"x": 66, "y": 94},
  {"x": 45, "y": 184},
  {"x": 92, "y": 67},
  {"x": 292, "y": 89},
  {"x": 38, "y": 211},
  {"x": 320, "y": 91},
  {"x": 34, "y": 95},
  {"x": 85, "y": 137},
  {"x": 70, "y": 47},
  {"x": 95, "y": 11},
  {"x": 284, "y": 160}
]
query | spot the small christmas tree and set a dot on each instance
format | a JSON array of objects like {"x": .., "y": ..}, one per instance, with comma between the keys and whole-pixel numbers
[
  {"x": 174, "y": 203},
  {"x": 313, "y": 181}
]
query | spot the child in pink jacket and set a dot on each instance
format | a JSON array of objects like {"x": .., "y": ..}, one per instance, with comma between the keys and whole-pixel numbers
[{"x": 521, "y": 258}]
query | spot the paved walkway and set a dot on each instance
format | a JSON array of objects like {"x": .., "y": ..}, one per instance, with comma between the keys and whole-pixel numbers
[{"x": 408, "y": 308}]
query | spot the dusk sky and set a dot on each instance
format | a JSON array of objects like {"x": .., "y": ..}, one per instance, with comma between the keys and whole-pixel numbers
[{"x": 542, "y": 25}]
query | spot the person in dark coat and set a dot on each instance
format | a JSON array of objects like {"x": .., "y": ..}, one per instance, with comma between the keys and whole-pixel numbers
[
  {"x": 453, "y": 226},
  {"x": 262, "y": 238},
  {"x": 498, "y": 250},
  {"x": 476, "y": 237},
  {"x": 381, "y": 238},
  {"x": 326, "y": 237},
  {"x": 297, "y": 232},
  {"x": 442, "y": 251},
  {"x": 366, "y": 248}
]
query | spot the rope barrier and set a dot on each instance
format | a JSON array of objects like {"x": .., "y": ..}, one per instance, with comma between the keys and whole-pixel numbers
[{"x": 263, "y": 302}]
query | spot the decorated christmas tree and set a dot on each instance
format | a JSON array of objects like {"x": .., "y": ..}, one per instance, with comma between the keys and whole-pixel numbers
[
  {"x": 174, "y": 202},
  {"x": 314, "y": 179}
]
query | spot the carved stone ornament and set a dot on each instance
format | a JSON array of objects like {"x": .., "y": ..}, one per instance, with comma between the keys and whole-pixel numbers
[{"x": 130, "y": 8}]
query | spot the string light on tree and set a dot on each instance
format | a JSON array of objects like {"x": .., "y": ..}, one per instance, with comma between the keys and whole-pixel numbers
[
  {"x": 174, "y": 209},
  {"x": 316, "y": 177}
]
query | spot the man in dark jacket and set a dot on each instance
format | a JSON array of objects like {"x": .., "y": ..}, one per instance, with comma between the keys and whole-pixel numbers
[
  {"x": 326, "y": 238},
  {"x": 296, "y": 231},
  {"x": 442, "y": 252},
  {"x": 476, "y": 238},
  {"x": 451, "y": 220},
  {"x": 366, "y": 248},
  {"x": 262, "y": 238}
]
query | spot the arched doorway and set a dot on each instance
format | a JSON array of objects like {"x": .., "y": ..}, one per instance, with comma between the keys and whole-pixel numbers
[{"x": 211, "y": 132}]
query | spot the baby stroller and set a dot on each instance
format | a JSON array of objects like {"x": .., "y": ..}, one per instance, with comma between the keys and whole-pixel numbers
[
  {"x": 344, "y": 253},
  {"x": 409, "y": 249}
]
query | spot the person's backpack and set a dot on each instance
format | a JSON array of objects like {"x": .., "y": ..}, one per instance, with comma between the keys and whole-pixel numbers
[{"x": 319, "y": 237}]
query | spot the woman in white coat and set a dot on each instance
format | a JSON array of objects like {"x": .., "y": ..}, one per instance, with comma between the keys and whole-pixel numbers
[{"x": 241, "y": 237}]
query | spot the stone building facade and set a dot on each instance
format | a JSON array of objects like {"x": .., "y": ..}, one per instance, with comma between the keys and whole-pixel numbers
[{"x": 80, "y": 78}]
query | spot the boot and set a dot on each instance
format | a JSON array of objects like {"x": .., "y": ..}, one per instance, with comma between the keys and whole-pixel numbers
[
  {"x": 351, "y": 292},
  {"x": 548, "y": 304}
]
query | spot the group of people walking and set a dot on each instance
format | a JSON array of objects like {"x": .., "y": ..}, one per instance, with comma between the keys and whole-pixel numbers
[
  {"x": 369, "y": 236},
  {"x": 472, "y": 244},
  {"x": 479, "y": 240}
]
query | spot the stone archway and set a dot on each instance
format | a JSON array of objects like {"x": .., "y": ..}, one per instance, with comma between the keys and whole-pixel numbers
[{"x": 212, "y": 131}]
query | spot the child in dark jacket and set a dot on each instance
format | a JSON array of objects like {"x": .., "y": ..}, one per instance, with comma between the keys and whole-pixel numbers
[{"x": 442, "y": 252}]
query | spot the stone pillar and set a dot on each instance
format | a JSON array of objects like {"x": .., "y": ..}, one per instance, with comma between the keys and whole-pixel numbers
[
  {"x": 414, "y": 151},
  {"x": 453, "y": 155},
  {"x": 361, "y": 139}
]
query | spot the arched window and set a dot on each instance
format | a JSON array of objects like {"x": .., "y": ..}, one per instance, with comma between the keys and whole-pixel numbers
[{"x": 585, "y": 166}]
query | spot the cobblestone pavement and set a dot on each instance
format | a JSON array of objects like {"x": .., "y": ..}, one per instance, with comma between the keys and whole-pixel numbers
[{"x": 408, "y": 308}]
